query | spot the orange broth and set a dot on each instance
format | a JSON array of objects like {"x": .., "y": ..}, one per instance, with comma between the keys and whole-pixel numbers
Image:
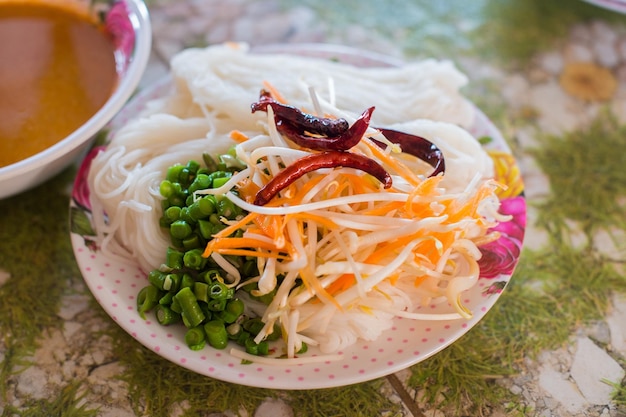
[{"x": 57, "y": 69}]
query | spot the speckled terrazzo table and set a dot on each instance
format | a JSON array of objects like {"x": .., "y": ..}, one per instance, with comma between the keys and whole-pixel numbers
[{"x": 551, "y": 77}]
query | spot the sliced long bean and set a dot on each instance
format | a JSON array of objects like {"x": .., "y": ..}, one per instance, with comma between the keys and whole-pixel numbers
[
  {"x": 195, "y": 338},
  {"x": 147, "y": 299},
  {"x": 216, "y": 334},
  {"x": 187, "y": 287},
  {"x": 166, "y": 316},
  {"x": 234, "y": 308},
  {"x": 191, "y": 311}
]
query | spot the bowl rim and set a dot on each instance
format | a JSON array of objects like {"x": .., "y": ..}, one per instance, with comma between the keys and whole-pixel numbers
[{"x": 140, "y": 19}]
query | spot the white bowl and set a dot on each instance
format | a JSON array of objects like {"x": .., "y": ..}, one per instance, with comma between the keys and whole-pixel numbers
[{"x": 32, "y": 171}]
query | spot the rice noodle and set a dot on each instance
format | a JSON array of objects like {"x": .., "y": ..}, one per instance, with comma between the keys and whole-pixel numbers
[{"x": 328, "y": 234}]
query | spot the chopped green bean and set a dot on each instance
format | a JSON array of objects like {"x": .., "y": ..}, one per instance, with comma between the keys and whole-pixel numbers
[
  {"x": 147, "y": 299},
  {"x": 166, "y": 316},
  {"x": 232, "y": 162},
  {"x": 166, "y": 300},
  {"x": 172, "y": 282},
  {"x": 202, "y": 207},
  {"x": 209, "y": 162},
  {"x": 173, "y": 172},
  {"x": 216, "y": 305},
  {"x": 156, "y": 277},
  {"x": 192, "y": 242},
  {"x": 175, "y": 306},
  {"x": 274, "y": 335},
  {"x": 186, "y": 175},
  {"x": 216, "y": 334},
  {"x": 218, "y": 228},
  {"x": 174, "y": 258},
  {"x": 191, "y": 287},
  {"x": 180, "y": 229},
  {"x": 263, "y": 348},
  {"x": 191, "y": 312},
  {"x": 192, "y": 166},
  {"x": 218, "y": 182},
  {"x": 254, "y": 325},
  {"x": 193, "y": 259},
  {"x": 201, "y": 182},
  {"x": 228, "y": 209},
  {"x": 201, "y": 291},
  {"x": 184, "y": 215},
  {"x": 250, "y": 269},
  {"x": 164, "y": 281},
  {"x": 242, "y": 337},
  {"x": 171, "y": 214},
  {"x": 253, "y": 348},
  {"x": 173, "y": 192},
  {"x": 205, "y": 228},
  {"x": 215, "y": 219},
  {"x": 219, "y": 291},
  {"x": 210, "y": 275},
  {"x": 187, "y": 281},
  {"x": 266, "y": 298},
  {"x": 234, "y": 308},
  {"x": 195, "y": 338},
  {"x": 208, "y": 314},
  {"x": 167, "y": 189}
]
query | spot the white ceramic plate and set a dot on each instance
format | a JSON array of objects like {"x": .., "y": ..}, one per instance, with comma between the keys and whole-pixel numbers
[{"x": 115, "y": 286}]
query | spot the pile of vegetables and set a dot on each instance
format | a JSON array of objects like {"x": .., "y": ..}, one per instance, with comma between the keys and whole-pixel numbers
[
  {"x": 260, "y": 224},
  {"x": 189, "y": 288}
]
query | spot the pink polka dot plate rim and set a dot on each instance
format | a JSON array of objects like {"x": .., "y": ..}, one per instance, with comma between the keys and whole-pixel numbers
[{"x": 407, "y": 342}]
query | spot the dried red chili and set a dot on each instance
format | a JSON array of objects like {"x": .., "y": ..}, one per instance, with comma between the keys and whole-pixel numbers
[
  {"x": 313, "y": 162},
  {"x": 418, "y": 147},
  {"x": 342, "y": 142},
  {"x": 301, "y": 122}
]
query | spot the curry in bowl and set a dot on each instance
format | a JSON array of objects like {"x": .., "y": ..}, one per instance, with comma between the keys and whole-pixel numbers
[{"x": 57, "y": 69}]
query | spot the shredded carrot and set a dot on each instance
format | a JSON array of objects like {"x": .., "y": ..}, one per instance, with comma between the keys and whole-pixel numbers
[
  {"x": 252, "y": 253},
  {"x": 382, "y": 209},
  {"x": 304, "y": 190},
  {"x": 425, "y": 188},
  {"x": 274, "y": 92},
  {"x": 238, "y": 136},
  {"x": 361, "y": 184},
  {"x": 393, "y": 278},
  {"x": 392, "y": 162},
  {"x": 469, "y": 208},
  {"x": 311, "y": 282},
  {"x": 236, "y": 226},
  {"x": 247, "y": 189},
  {"x": 342, "y": 283},
  {"x": 433, "y": 248},
  {"x": 236, "y": 243},
  {"x": 388, "y": 248},
  {"x": 323, "y": 221},
  {"x": 267, "y": 224},
  {"x": 420, "y": 280}
]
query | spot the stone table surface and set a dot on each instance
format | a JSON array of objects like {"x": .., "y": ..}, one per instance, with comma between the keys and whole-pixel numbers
[{"x": 515, "y": 55}]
